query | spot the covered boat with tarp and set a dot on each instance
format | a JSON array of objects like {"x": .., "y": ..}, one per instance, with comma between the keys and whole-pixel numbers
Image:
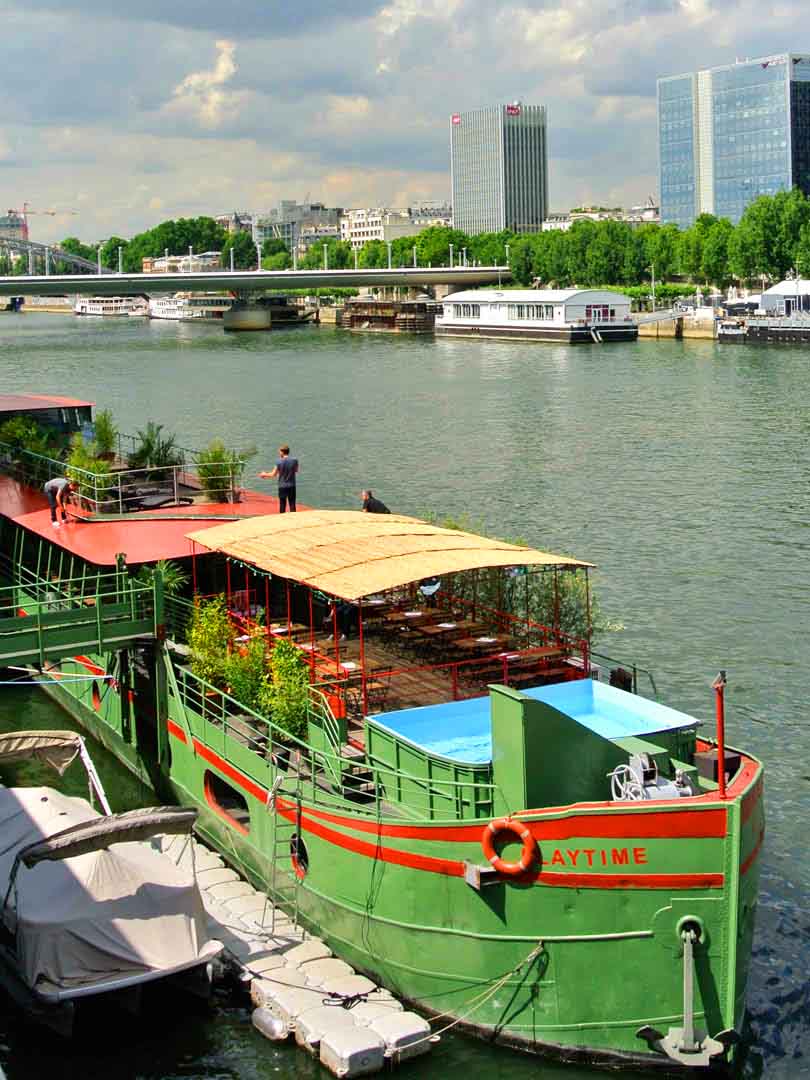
[{"x": 90, "y": 906}]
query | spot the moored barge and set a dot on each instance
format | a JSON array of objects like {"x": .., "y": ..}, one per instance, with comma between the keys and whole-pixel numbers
[
  {"x": 469, "y": 812},
  {"x": 569, "y": 315}
]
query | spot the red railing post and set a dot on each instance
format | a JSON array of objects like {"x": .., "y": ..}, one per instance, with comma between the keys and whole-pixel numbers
[
  {"x": 719, "y": 686},
  {"x": 364, "y": 690}
]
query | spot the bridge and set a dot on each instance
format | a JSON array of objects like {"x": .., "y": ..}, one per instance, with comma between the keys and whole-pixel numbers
[
  {"x": 245, "y": 282},
  {"x": 48, "y": 252}
]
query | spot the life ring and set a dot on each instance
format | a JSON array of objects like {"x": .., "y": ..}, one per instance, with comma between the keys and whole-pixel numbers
[{"x": 528, "y": 856}]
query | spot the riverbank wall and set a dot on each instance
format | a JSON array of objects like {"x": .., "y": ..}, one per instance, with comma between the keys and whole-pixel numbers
[{"x": 680, "y": 326}]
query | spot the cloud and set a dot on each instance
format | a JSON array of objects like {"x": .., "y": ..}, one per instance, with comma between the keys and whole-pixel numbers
[
  {"x": 140, "y": 112},
  {"x": 203, "y": 95}
]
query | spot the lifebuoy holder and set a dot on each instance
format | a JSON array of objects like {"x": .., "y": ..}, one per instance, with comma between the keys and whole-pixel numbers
[{"x": 529, "y": 856}]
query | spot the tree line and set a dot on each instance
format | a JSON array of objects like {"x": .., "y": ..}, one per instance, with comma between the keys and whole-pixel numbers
[{"x": 771, "y": 239}]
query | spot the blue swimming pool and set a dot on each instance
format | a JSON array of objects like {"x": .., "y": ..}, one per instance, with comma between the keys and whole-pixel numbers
[{"x": 461, "y": 730}]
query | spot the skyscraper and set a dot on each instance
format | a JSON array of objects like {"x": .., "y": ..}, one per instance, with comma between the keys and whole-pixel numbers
[
  {"x": 498, "y": 166},
  {"x": 729, "y": 134}
]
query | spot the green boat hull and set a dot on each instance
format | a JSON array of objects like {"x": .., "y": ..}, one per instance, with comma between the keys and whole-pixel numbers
[{"x": 570, "y": 960}]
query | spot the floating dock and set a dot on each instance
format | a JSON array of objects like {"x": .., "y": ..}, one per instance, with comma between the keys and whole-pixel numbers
[{"x": 298, "y": 988}]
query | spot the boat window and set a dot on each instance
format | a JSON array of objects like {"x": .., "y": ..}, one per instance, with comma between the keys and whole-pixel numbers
[
  {"x": 226, "y": 801},
  {"x": 476, "y": 310}
]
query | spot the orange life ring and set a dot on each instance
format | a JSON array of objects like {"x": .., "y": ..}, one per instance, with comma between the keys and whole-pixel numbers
[{"x": 528, "y": 856}]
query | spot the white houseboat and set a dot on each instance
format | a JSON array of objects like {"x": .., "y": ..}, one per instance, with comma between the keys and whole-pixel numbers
[
  {"x": 111, "y": 305},
  {"x": 543, "y": 314},
  {"x": 188, "y": 307}
]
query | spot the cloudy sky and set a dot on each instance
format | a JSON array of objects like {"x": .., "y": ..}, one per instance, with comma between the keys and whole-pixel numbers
[{"x": 177, "y": 108}]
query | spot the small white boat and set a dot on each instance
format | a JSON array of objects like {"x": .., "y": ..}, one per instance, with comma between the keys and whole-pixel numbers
[
  {"x": 89, "y": 906},
  {"x": 114, "y": 306},
  {"x": 189, "y": 307}
]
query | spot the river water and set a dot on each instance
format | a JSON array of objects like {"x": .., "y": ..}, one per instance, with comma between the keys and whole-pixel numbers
[{"x": 680, "y": 468}]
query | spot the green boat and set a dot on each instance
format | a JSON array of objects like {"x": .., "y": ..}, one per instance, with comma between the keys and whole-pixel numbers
[{"x": 481, "y": 813}]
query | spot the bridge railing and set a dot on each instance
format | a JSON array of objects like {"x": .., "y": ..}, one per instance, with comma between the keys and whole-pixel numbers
[{"x": 116, "y": 489}]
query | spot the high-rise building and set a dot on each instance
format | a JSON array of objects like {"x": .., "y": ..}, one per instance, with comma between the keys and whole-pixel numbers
[
  {"x": 729, "y": 134},
  {"x": 499, "y": 171}
]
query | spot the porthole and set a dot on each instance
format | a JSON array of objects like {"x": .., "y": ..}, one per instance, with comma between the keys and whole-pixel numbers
[
  {"x": 227, "y": 802},
  {"x": 299, "y": 855}
]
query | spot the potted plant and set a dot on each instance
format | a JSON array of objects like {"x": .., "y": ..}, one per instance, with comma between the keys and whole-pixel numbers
[
  {"x": 154, "y": 451},
  {"x": 220, "y": 471},
  {"x": 106, "y": 435}
]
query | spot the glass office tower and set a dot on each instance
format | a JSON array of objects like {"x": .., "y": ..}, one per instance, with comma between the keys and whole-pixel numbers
[
  {"x": 730, "y": 134},
  {"x": 499, "y": 170}
]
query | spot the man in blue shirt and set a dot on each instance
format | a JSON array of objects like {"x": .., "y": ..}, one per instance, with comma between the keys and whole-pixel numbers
[{"x": 286, "y": 469}]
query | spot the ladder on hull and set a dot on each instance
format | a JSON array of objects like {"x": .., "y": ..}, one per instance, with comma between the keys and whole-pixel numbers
[{"x": 287, "y": 852}]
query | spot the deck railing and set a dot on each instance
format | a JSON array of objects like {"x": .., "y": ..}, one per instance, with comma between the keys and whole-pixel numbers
[
  {"x": 119, "y": 490},
  {"x": 261, "y": 750}
]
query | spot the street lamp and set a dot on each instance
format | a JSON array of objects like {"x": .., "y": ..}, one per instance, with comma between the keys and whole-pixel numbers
[
  {"x": 651, "y": 268},
  {"x": 451, "y": 256}
]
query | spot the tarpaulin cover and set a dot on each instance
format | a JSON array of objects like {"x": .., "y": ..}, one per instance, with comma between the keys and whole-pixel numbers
[
  {"x": 121, "y": 911},
  {"x": 55, "y": 748}
]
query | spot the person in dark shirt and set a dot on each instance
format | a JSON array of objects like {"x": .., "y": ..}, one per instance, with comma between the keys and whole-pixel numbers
[
  {"x": 372, "y": 505},
  {"x": 286, "y": 470}
]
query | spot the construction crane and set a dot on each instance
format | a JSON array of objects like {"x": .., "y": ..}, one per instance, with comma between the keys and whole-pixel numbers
[{"x": 26, "y": 211}]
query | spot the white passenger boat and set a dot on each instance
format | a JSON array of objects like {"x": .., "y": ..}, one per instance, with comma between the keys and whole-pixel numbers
[
  {"x": 89, "y": 905},
  {"x": 188, "y": 307},
  {"x": 571, "y": 315},
  {"x": 111, "y": 305}
]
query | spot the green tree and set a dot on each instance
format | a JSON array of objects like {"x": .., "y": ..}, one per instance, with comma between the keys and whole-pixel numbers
[
  {"x": 433, "y": 245},
  {"x": 244, "y": 251},
  {"x": 279, "y": 261},
  {"x": 634, "y": 266},
  {"x": 339, "y": 255},
  {"x": 373, "y": 255},
  {"x": 690, "y": 255},
  {"x": 521, "y": 260},
  {"x": 715, "y": 261},
  {"x": 662, "y": 243},
  {"x": 109, "y": 251},
  {"x": 489, "y": 249},
  {"x": 793, "y": 214},
  {"x": 605, "y": 255},
  {"x": 73, "y": 246},
  {"x": 580, "y": 237},
  {"x": 754, "y": 247}
]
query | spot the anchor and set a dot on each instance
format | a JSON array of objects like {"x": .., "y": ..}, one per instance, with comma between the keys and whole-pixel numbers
[{"x": 688, "y": 1045}]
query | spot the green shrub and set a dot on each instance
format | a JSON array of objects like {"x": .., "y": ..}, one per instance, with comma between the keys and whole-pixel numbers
[
  {"x": 210, "y": 636},
  {"x": 82, "y": 460},
  {"x": 174, "y": 576},
  {"x": 154, "y": 450},
  {"x": 219, "y": 470},
  {"x": 106, "y": 433},
  {"x": 22, "y": 433},
  {"x": 245, "y": 673},
  {"x": 286, "y": 695}
]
